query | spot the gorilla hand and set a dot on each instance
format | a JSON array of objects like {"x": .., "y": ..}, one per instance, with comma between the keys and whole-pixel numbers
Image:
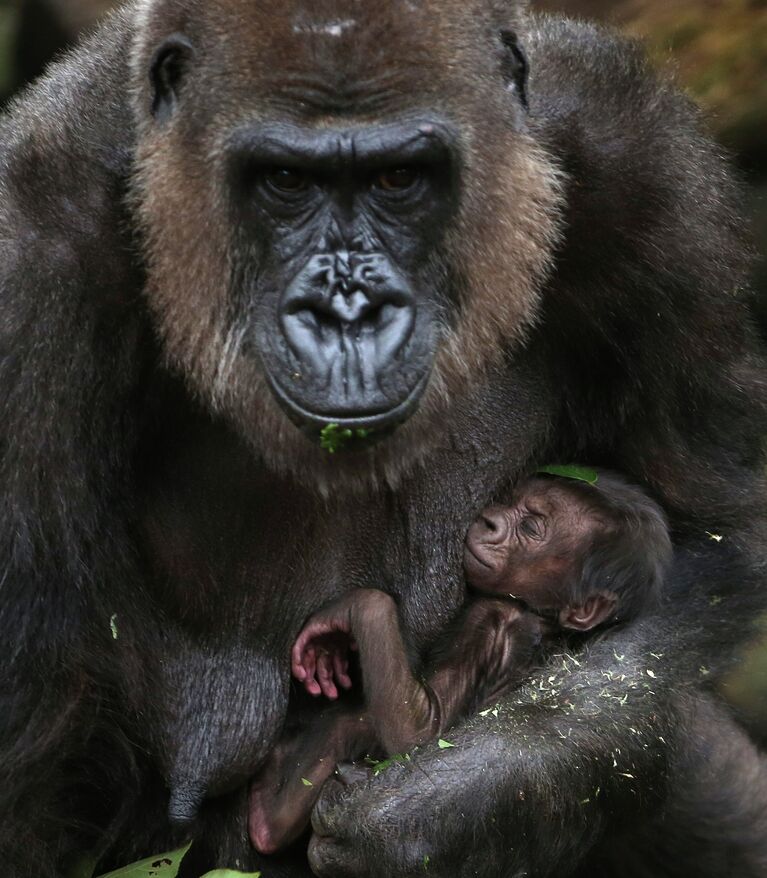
[
  {"x": 413, "y": 818},
  {"x": 522, "y": 791}
]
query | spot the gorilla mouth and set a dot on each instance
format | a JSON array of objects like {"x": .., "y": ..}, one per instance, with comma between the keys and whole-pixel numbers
[
  {"x": 471, "y": 555},
  {"x": 378, "y": 420},
  {"x": 354, "y": 346}
]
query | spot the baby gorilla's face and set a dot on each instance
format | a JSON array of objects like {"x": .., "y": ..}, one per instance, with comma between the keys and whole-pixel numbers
[{"x": 526, "y": 550}]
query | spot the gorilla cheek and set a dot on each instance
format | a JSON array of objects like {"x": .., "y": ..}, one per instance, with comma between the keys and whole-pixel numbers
[{"x": 353, "y": 344}]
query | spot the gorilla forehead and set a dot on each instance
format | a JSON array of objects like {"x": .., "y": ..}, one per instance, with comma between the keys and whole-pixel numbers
[
  {"x": 408, "y": 139},
  {"x": 339, "y": 54}
]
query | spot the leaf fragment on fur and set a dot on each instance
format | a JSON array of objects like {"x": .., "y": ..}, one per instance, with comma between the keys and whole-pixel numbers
[{"x": 334, "y": 438}]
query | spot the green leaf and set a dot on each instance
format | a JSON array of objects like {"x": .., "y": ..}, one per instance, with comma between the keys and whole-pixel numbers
[
  {"x": 334, "y": 438},
  {"x": 230, "y": 873},
  {"x": 113, "y": 626},
  {"x": 161, "y": 866},
  {"x": 444, "y": 745},
  {"x": 306, "y": 783},
  {"x": 382, "y": 765},
  {"x": 571, "y": 471}
]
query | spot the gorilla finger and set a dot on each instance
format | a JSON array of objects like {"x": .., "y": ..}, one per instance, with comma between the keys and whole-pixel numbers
[
  {"x": 341, "y": 668},
  {"x": 328, "y": 858},
  {"x": 325, "y": 675},
  {"x": 309, "y": 666},
  {"x": 311, "y": 631},
  {"x": 349, "y": 773},
  {"x": 328, "y": 816}
]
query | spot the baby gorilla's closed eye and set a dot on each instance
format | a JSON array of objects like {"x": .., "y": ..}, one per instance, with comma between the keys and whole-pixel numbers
[{"x": 533, "y": 527}]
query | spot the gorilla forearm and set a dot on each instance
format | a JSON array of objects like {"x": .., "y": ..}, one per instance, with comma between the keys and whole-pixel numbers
[
  {"x": 590, "y": 746},
  {"x": 531, "y": 788}
]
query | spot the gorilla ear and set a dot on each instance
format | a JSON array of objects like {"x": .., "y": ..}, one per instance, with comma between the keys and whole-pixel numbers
[
  {"x": 597, "y": 608},
  {"x": 514, "y": 66},
  {"x": 167, "y": 69}
]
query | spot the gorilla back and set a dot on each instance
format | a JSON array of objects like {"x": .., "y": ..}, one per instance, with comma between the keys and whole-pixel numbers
[{"x": 287, "y": 295}]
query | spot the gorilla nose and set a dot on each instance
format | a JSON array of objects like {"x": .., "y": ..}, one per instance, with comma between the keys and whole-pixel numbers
[
  {"x": 349, "y": 288},
  {"x": 352, "y": 308},
  {"x": 349, "y": 307},
  {"x": 492, "y": 526}
]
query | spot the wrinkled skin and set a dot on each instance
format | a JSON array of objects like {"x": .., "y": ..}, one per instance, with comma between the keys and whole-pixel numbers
[{"x": 169, "y": 520}]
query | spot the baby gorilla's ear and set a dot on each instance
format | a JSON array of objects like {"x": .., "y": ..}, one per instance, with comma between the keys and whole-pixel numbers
[{"x": 598, "y": 607}]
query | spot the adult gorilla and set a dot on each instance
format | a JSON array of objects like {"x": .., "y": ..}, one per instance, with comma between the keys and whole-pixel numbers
[{"x": 235, "y": 233}]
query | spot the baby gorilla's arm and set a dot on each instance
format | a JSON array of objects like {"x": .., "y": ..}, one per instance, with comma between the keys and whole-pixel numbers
[
  {"x": 488, "y": 651},
  {"x": 402, "y": 710}
]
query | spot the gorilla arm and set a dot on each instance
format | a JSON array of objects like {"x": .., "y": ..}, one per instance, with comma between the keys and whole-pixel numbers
[
  {"x": 592, "y": 741},
  {"x": 66, "y": 282}
]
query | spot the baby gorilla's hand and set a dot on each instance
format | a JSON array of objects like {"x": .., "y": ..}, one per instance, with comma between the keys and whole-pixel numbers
[{"x": 320, "y": 657}]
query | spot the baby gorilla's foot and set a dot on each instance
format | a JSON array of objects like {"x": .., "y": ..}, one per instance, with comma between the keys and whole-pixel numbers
[{"x": 283, "y": 794}]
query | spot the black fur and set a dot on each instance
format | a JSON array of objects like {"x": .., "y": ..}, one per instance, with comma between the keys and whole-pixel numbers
[{"x": 644, "y": 361}]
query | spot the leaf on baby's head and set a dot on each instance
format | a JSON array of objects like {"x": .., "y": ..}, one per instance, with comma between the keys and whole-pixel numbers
[{"x": 571, "y": 471}]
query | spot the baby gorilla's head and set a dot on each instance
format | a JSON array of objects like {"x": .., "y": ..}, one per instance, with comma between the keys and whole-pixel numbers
[{"x": 589, "y": 554}]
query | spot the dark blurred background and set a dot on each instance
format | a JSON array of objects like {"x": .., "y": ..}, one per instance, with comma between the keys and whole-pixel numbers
[{"x": 717, "y": 50}]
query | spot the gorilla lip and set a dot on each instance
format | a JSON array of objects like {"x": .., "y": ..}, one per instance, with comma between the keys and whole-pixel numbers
[
  {"x": 480, "y": 575},
  {"x": 379, "y": 421},
  {"x": 472, "y": 557}
]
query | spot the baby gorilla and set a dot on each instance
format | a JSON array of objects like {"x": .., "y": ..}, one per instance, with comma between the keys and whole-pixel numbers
[{"x": 564, "y": 556}]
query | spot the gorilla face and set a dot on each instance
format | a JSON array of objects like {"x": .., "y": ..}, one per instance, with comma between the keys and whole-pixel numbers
[
  {"x": 345, "y": 319},
  {"x": 334, "y": 233}
]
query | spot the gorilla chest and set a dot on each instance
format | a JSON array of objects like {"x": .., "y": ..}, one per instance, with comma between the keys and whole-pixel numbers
[{"x": 230, "y": 550}]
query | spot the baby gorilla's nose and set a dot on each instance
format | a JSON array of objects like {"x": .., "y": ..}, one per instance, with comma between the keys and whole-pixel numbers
[{"x": 492, "y": 526}]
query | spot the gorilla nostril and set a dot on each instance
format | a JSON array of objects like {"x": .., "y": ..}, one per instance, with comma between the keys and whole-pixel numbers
[
  {"x": 351, "y": 308},
  {"x": 495, "y": 525}
]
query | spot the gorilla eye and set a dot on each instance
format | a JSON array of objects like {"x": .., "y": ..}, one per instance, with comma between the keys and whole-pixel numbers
[
  {"x": 396, "y": 179},
  {"x": 532, "y": 527},
  {"x": 287, "y": 180}
]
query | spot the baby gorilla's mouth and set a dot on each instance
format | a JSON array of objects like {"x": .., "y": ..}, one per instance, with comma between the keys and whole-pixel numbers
[
  {"x": 481, "y": 573},
  {"x": 470, "y": 556}
]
